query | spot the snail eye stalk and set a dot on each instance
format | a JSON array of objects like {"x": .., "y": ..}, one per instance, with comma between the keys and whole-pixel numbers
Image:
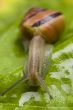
[
  {"x": 42, "y": 84},
  {"x": 13, "y": 86}
]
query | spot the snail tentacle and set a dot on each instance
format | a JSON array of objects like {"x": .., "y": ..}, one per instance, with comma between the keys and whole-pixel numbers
[{"x": 43, "y": 84}]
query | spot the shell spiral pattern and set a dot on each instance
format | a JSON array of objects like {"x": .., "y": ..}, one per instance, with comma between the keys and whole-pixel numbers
[{"x": 48, "y": 23}]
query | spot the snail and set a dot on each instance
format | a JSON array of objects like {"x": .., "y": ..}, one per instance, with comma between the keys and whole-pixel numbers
[{"x": 41, "y": 28}]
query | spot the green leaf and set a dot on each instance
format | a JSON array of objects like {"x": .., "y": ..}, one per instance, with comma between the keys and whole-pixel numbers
[{"x": 12, "y": 58}]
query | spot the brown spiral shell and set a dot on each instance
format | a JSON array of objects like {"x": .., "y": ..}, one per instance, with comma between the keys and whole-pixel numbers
[{"x": 48, "y": 23}]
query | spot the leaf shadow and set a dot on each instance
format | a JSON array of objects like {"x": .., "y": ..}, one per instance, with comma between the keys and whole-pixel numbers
[{"x": 18, "y": 46}]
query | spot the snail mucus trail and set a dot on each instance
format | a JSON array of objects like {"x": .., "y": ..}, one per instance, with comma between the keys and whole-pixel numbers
[{"x": 40, "y": 28}]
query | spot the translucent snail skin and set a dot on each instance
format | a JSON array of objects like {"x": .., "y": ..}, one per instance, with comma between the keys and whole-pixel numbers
[{"x": 41, "y": 28}]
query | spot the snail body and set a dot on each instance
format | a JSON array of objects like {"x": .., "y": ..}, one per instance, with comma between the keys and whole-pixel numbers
[
  {"x": 38, "y": 62},
  {"x": 40, "y": 28},
  {"x": 39, "y": 59}
]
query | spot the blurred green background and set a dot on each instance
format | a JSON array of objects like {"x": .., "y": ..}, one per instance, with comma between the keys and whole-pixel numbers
[{"x": 12, "y": 57}]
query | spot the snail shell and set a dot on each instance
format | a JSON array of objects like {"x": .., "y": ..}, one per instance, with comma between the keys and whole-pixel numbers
[{"x": 48, "y": 23}]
